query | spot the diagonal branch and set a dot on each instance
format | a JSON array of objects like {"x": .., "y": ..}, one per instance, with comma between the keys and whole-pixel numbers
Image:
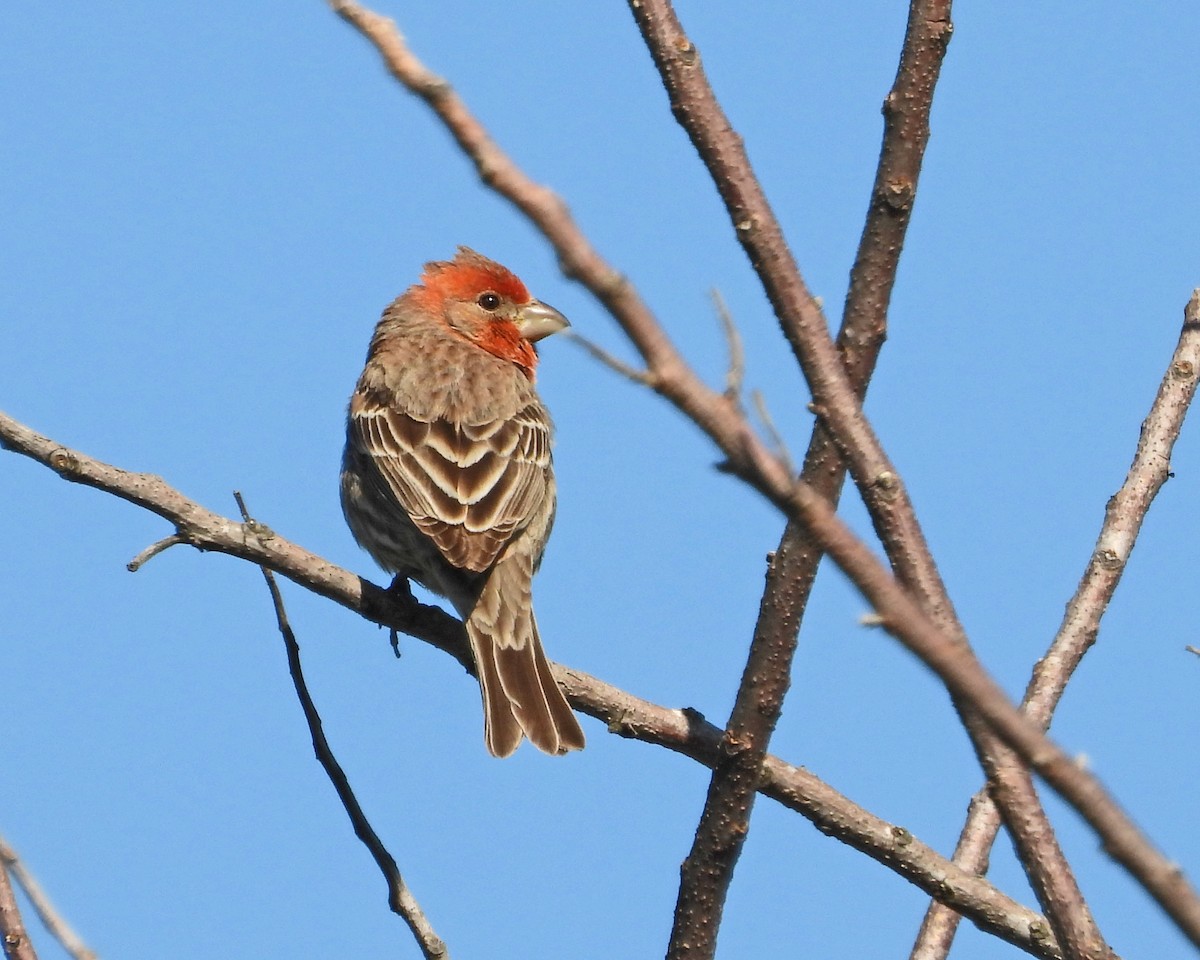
[
  {"x": 14, "y": 941},
  {"x": 735, "y": 375},
  {"x": 748, "y": 458},
  {"x": 959, "y": 670},
  {"x": 51, "y": 919},
  {"x": 724, "y": 824},
  {"x": 725, "y": 821},
  {"x": 623, "y": 714},
  {"x": 400, "y": 898},
  {"x": 613, "y": 362},
  {"x": 720, "y": 148},
  {"x": 1123, "y": 519}
]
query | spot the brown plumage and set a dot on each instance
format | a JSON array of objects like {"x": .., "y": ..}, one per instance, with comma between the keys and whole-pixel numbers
[{"x": 447, "y": 476}]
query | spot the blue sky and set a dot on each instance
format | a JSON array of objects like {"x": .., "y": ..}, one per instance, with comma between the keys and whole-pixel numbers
[{"x": 205, "y": 208}]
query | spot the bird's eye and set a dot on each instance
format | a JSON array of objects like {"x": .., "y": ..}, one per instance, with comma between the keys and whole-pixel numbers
[{"x": 489, "y": 301}]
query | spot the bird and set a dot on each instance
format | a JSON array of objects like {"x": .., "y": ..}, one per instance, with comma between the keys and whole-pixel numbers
[{"x": 447, "y": 477}]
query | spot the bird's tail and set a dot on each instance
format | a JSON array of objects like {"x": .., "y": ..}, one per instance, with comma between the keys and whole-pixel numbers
[{"x": 520, "y": 695}]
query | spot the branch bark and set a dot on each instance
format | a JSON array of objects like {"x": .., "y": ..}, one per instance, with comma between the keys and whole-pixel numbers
[
  {"x": 955, "y": 665},
  {"x": 400, "y": 897},
  {"x": 684, "y": 732},
  {"x": 51, "y": 919},
  {"x": 1123, "y": 517},
  {"x": 725, "y": 821},
  {"x": 13, "y": 938},
  {"x": 747, "y": 457},
  {"x": 898, "y": 612},
  {"x": 722, "y": 151}
]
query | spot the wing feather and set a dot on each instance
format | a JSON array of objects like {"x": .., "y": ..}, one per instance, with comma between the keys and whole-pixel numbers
[{"x": 469, "y": 487}]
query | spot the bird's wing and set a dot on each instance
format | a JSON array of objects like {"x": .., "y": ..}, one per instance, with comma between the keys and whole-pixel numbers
[{"x": 468, "y": 487}]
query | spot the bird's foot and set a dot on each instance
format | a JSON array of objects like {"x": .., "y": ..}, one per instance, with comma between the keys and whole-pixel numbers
[{"x": 400, "y": 590}]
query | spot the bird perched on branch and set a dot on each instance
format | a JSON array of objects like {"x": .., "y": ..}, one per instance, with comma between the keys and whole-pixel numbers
[{"x": 447, "y": 477}]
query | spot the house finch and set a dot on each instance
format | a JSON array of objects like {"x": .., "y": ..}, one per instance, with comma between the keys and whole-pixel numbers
[{"x": 447, "y": 479}]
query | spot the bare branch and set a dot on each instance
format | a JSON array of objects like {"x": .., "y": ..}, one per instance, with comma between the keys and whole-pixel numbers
[
  {"x": 735, "y": 376},
  {"x": 957, "y": 667},
  {"x": 755, "y": 226},
  {"x": 152, "y": 551},
  {"x": 13, "y": 938},
  {"x": 939, "y": 649},
  {"x": 668, "y": 373},
  {"x": 400, "y": 898},
  {"x": 801, "y": 319},
  {"x": 764, "y": 415},
  {"x": 953, "y": 662},
  {"x": 905, "y": 135},
  {"x": 51, "y": 919},
  {"x": 614, "y": 363},
  {"x": 833, "y": 814},
  {"x": 622, "y": 713},
  {"x": 1123, "y": 518},
  {"x": 707, "y": 872},
  {"x": 793, "y": 567}
]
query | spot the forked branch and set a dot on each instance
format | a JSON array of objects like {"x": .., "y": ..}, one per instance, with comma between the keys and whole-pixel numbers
[
  {"x": 918, "y": 626},
  {"x": 1123, "y": 517},
  {"x": 621, "y": 712},
  {"x": 724, "y": 822}
]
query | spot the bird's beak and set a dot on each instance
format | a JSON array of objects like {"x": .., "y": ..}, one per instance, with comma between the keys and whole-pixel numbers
[{"x": 536, "y": 320}]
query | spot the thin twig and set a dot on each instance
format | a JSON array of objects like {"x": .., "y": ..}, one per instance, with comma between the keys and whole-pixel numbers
[
  {"x": 623, "y": 714},
  {"x": 735, "y": 376},
  {"x": 13, "y": 939},
  {"x": 153, "y": 551},
  {"x": 613, "y": 362},
  {"x": 1123, "y": 517},
  {"x": 400, "y": 898},
  {"x": 768, "y": 422}
]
